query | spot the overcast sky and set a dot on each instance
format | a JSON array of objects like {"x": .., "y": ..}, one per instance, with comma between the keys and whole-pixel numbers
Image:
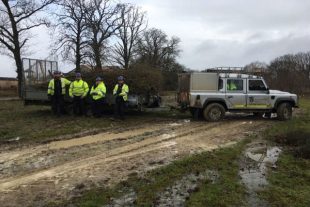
[{"x": 216, "y": 32}]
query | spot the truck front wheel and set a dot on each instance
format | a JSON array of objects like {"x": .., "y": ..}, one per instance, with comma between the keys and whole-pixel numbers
[
  {"x": 214, "y": 112},
  {"x": 284, "y": 111}
]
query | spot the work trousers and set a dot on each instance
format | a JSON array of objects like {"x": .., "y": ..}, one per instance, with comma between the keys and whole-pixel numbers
[
  {"x": 97, "y": 107},
  {"x": 79, "y": 106},
  {"x": 57, "y": 102},
  {"x": 119, "y": 107}
]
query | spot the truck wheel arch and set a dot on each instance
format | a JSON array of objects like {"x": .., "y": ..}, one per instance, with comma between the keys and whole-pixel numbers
[
  {"x": 215, "y": 100},
  {"x": 284, "y": 100}
]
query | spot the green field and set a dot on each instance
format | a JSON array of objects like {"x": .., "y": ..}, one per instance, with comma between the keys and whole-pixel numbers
[{"x": 37, "y": 124}]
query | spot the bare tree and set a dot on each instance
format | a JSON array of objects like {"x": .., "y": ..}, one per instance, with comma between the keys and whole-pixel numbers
[
  {"x": 17, "y": 18},
  {"x": 291, "y": 72},
  {"x": 102, "y": 21},
  {"x": 72, "y": 29},
  {"x": 156, "y": 49},
  {"x": 256, "y": 66},
  {"x": 133, "y": 23}
]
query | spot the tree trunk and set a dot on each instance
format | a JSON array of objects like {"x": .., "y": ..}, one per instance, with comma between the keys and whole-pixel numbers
[
  {"x": 19, "y": 70},
  {"x": 97, "y": 59},
  {"x": 126, "y": 64},
  {"x": 78, "y": 51},
  {"x": 78, "y": 61},
  {"x": 126, "y": 58}
]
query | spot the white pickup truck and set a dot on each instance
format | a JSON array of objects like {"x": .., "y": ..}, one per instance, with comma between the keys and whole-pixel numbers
[{"x": 213, "y": 94}]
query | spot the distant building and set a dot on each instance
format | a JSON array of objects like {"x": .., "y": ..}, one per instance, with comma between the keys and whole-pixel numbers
[{"x": 8, "y": 83}]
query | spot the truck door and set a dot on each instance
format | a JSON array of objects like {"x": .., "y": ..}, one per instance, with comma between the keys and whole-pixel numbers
[
  {"x": 257, "y": 95},
  {"x": 236, "y": 93}
]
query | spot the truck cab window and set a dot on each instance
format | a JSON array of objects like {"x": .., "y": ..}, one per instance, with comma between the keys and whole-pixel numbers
[
  {"x": 257, "y": 85},
  {"x": 235, "y": 85},
  {"x": 221, "y": 84}
]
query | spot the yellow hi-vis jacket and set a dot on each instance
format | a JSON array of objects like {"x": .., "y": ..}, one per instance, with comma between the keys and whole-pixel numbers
[
  {"x": 231, "y": 86},
  {"x": 51, "y": 86},
  {"x": 124, "y": 92},
  {"x": 98, "y": 92},
  {"x": 78, "y": 88}
]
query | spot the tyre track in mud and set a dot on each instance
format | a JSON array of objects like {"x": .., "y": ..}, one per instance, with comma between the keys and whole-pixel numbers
[
  {"x": 163, "y": 141},
  {"x": 64, "y": 144},
  {"x": 79, "y": 148},
  {"x": 115, "y": 153}
]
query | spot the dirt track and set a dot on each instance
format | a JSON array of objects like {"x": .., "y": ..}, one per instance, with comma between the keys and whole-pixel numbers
[{"x": 62, "y": 169}]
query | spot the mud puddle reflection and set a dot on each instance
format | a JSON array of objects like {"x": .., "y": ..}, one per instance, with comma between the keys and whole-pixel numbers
[{"x": 253, "y": 170}]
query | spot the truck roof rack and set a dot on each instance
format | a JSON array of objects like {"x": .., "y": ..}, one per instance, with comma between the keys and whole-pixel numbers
[{"x": 237, "y": 70}]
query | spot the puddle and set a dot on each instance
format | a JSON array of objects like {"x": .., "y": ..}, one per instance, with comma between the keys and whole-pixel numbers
[
  {"x": 177, "y": 194},
  {"x": 127, "y": 200},
  {"x": 167, "y": 136},
  {"x": 253, "y": 171},
  {"x": 175, "y": 124}
]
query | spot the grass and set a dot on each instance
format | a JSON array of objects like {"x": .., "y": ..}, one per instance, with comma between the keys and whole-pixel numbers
[
  {"x": 37, "y": 124},
  {"x": 226, "y": 191},
  {"x": 289, "y": 184}
]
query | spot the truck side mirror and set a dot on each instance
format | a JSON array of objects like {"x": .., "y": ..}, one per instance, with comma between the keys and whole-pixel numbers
[{"x": 267, "y": 89}]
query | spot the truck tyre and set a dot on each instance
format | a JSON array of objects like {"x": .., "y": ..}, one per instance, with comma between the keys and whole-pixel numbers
[
  {"x": 214, "y": 112},
  {"x": 284, "y": 111}
]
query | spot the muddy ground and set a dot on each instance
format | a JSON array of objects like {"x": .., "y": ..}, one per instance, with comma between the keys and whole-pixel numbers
[{"x": 60, "y": 170}]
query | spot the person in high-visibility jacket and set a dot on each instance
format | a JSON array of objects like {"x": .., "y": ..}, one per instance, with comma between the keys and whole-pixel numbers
[
  {"x": 97, "y": 93},
  {"x": 231, "y": 86},
  {"x": 120, "y": 92},
  {"x": 78, "y": 91},
  {"x": 56, "y": 92}
]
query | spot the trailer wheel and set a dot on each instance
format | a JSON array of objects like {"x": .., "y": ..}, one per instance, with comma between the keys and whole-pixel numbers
[
  {"x": 214, "y": 112},
  {"x": 284, "y": 111}
]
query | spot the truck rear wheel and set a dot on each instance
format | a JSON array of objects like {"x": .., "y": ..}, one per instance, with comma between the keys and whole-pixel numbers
[
  {"x": 214, "y": 112},
  {"x": 284, "y": 111}
]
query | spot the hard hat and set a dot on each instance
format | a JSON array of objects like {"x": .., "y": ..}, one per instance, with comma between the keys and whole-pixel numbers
[
  {"x": 78, "y": 74},
  {"x": 120, "y": 78},
  {"x": 56, "y": 72},
  {"x": 98, "y": 79}
]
